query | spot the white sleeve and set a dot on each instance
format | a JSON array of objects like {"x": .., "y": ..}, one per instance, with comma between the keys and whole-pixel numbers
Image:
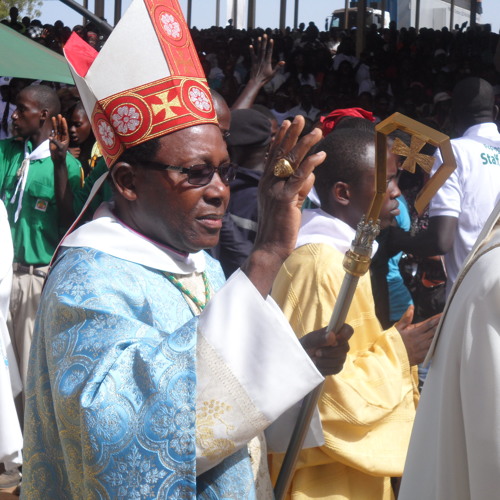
[
  {"x": 480, "y": 379},
  {"x": 11, "y": 439},
  {"x": 447, "y": 201},
  {"x": 6, "y": 259},
  {"x": 250, "y": 367}
]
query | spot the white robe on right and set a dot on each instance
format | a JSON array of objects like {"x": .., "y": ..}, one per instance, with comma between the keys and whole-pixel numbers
[
  {"x": 11, "y": 439},
  {"x": 454, "y": 451}
]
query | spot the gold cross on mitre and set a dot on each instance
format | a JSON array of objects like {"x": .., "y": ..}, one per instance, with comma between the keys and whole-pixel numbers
[
  {"x": 420, "y": 135},
  {"x": 413, "y": 154},
  {"x": 166, "y": 105}
]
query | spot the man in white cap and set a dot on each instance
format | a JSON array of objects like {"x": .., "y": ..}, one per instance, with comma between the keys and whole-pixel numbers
[{"x": 145, "y": 382}]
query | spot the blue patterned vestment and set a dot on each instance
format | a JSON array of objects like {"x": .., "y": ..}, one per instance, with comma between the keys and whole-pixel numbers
[{"x": 111, "y": 396}]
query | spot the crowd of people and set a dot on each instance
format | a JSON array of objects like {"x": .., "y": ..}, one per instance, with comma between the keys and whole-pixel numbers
[
  {"x": 398, "y": 70},
  {"x": 133, "y": 369}
]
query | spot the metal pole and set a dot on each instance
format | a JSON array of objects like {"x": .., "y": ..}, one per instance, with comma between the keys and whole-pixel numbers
[
  {"x": 189, "y": 9},
  {"x": 417, "y": 16},
  {"x": 217, "y": 13},
  {"x": 85, "y": 6},
  {"x": 118, "y": 11},
  {"x": 251, "y": 14},
  {"x": 473, "y": 12},
  {"x": 99, "y": 8},
  {"x": 346, "y": 15},
  {"x": 296, "y": 15},
  {"x": 360, "y": 30},
  {"x": 452, "y": 13},
  {"x": 285, "y": 475},
  {"x": 103, "y": 25},
  {"x": 282, "y": 15}
]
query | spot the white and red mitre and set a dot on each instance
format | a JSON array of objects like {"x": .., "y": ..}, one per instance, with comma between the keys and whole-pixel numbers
[{"x": 147, "y": 80}]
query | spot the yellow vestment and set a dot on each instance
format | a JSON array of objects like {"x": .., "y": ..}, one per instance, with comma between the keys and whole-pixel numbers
[{"x": 367, "y": 410}]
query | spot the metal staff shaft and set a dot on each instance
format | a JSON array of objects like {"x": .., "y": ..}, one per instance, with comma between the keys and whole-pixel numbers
[
  {"x": 343, "y": 303},
  {"x": 299, "y": 434},
  {"x": 310, "y": 402},
  {"x": 356, "y": 263}
]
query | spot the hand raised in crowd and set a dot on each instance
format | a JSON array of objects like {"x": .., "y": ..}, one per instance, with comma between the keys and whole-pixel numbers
[
  {"x": 280, "y": 201},
  {"x": 59, "y": 140},
  {"x": 417, "y": 338},
  {"x": 261, "y": 72},
  {"x": 328, "y": 350},
  {"x": 262, "y": 65}
]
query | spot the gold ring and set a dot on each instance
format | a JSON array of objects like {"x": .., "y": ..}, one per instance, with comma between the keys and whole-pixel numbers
[{"x": 283, "y": 168}]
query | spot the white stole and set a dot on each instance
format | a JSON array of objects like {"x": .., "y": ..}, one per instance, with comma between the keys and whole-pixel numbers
[
  {"x": 41, "y": 152},
  {"x": 319, "y": 227}
]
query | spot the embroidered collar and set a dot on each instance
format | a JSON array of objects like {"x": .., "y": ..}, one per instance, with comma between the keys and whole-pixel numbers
[{"x": 109, "y": 234}]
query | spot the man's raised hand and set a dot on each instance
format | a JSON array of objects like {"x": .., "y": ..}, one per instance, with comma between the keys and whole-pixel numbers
[{"x": 59, "y": 140}]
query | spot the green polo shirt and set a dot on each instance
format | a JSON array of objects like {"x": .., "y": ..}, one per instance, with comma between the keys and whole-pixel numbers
[{"x": 37, "y": 231}]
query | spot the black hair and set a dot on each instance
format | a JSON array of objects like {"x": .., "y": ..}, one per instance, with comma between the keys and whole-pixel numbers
[
  {"x": 355, "y": 122},
  {"x": 76, "y": 106},
  {"x": 46, "y": 97},
  {"x": 473, "y": 101},
  {"x": 143, "y": 152},
  {"x": 346, "y": 158},
  {"x": 79, "y": 106}
]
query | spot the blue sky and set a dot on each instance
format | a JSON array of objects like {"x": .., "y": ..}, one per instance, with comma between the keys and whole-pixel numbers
[
  {"x": 203, "y": 16},
  {"x": 267, "y": 12}
]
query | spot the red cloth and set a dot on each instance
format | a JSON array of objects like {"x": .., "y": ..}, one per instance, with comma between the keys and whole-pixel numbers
[
  {"x": 328, "y": 122},
  {"x": 80, "y": 54}
]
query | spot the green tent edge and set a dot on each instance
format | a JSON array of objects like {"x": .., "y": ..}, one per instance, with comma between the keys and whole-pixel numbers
[{"x": 21, "y": 57}]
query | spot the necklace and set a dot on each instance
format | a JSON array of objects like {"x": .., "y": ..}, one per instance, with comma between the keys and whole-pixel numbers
[{"x": 201, "y": 305}]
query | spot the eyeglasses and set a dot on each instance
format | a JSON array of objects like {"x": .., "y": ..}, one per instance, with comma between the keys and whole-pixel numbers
[{"x": 199, "y": 175}]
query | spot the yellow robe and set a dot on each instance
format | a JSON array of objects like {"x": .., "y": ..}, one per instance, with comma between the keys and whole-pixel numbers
[{"x": 367, "y": 410}]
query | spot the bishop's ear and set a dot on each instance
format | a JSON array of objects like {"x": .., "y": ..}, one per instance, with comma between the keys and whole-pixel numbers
[{"x": 124, "y": 179}]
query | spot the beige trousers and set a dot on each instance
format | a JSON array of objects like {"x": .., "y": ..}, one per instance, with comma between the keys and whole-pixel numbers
[{"x": 24, "y": 301}]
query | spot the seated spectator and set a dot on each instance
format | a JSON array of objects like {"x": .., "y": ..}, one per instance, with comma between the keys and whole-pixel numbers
[
  {"x": 14, "y": 23},
  {"x": 281, "y": 106},
  {"x": 305, "y": 107}
]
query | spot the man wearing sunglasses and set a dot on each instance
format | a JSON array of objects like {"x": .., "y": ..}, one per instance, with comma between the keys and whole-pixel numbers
[{"x": 148, "y": 374}]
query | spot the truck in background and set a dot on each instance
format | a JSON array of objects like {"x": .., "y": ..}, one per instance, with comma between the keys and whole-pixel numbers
[
  {"x": 433, "y": 14},
  {"x": 373, "y": 16}
]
